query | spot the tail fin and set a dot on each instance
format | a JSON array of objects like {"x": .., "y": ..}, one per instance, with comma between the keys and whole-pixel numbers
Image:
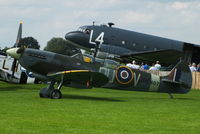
[{"x": 179, "y": 79}]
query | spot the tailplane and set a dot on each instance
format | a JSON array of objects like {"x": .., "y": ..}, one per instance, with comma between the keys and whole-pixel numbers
[{"x": 179, "y": 79}]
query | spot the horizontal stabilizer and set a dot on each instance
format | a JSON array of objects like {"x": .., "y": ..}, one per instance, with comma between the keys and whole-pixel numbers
[
  {"x": 172, "y": 82},
  {"x": 179, "y": 79}
]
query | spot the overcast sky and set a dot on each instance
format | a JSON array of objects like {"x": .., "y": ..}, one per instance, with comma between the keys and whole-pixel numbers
[{"x": 43, "y": 20}]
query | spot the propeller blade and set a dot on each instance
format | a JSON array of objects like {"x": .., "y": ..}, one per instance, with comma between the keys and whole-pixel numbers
[
  {"x": 14, "y": 67},
  {"x": 19, "y": 35},
  {"x": 96, "y": 49}
]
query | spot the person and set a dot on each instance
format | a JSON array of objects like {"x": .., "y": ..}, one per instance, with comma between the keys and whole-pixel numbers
[
  {"x": 157, "y": 65},
  {"x": 145, "y": 67},
  {"x": 129, "y": 65},
  {"x": 134, "y": 65},
  {"x": 153, "y": 67},
  {"x": 141, "y": 65},
  {"x": 198, "y": 67},
  {"x": 193, "y": 67}
]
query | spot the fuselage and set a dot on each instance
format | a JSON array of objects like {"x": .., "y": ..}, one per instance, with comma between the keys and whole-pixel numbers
[
  {"x": 120, "y": 77},
  {"x": 129, "y": 41},
  {"x": 44, "y": 62},
  {"x": 123, "y": 42}
]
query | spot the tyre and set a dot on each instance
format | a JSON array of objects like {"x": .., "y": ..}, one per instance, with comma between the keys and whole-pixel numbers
[
  {"x": 42, "y": 93},
  {"x": 56, "y": 94}
]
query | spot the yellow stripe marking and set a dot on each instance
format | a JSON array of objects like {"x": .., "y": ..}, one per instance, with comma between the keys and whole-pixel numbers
[
  {"x": 74, "y": 71},
  {"x": 67, "y": 72}
]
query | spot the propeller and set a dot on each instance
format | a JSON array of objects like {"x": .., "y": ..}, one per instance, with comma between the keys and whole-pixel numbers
[
  {"x": 96, "y": 49},
  {"x": 16, "y": 45}
]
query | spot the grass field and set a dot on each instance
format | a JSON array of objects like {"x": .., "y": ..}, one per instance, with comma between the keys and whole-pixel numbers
[{"x": 96, "y": 111}]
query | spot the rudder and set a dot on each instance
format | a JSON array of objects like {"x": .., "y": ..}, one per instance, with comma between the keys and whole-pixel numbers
[{"x": 179, "y": 79}]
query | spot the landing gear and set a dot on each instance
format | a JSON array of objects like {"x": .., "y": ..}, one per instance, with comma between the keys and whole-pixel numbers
[
  {"x": 56, "y": 94},
  {"x": 51, "y": 92},
  {"x": 43, "y": 93}
]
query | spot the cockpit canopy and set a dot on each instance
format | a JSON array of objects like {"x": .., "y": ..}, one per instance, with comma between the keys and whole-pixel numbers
[{"x": 84, "y": 30}]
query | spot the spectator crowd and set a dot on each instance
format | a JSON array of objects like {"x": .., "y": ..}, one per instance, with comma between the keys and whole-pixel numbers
[
  {"x": 156, "y": 66},
  {"x": 194, "y": 67}
]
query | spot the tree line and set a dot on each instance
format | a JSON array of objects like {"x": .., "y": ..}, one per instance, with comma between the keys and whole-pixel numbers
[{"x": 56, "y": 45}]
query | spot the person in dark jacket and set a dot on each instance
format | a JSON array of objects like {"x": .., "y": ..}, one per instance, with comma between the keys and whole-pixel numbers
[{"x": 198, "y": 67}]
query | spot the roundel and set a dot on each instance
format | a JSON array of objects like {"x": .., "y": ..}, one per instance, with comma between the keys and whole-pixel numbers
[{"x": 124, "y": 75}]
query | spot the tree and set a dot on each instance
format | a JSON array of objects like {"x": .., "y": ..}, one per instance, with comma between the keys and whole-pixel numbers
[
  {"x": 59, "y": 45},
  {"x": 5, "y": 49},
  {"x": 29, "y": 42}
]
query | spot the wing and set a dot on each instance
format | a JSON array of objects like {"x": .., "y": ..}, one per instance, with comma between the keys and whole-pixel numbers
[
  {"x": 164, "y": 56},
  {"x": 81, "y": 77}
]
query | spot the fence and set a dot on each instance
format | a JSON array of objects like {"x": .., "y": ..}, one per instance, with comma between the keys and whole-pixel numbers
[{"x": 196, "y": 80}]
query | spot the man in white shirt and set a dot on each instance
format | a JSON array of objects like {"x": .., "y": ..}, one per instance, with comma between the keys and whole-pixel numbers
[
  {"x": 157, "y": 65},
  {"x": 134, "y": 65},
  {"x": 129, "y": 65},
  {"x": 193, "y": 67},
  {"x": 153, "y": 67}
]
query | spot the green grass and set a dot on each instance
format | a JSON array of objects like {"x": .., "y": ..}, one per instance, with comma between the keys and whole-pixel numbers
[{"x": 96, "y": 111}]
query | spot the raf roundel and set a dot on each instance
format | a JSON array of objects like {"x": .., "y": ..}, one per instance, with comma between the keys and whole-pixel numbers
[{"x": 124, "y": 75}]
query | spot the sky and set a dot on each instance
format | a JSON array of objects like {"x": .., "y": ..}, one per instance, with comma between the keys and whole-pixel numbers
[{"x": 43, "y": 20}]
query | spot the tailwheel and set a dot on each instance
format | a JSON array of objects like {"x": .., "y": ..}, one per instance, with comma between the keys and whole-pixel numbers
[{"x": 56, "y": 94}]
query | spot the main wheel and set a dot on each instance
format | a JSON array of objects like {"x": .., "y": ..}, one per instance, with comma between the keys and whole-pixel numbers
[
  {"x": 42, "y": 92},
  {"x": 56, "y": 94},
  {"x": 41, "y": 95}
]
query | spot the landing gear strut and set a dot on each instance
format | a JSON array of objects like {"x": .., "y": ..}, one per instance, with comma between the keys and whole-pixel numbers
[{"x": 51, "y": 92}]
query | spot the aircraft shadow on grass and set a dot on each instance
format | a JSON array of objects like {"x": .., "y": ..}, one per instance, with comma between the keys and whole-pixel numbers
[
  {"x": 186, "y": 99},
  {"x": 162, "y": 99},
  {"x": 80, "y": 97},
  {"x": 10, "y": 88},
  {"x": 67, "y": 96}
]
